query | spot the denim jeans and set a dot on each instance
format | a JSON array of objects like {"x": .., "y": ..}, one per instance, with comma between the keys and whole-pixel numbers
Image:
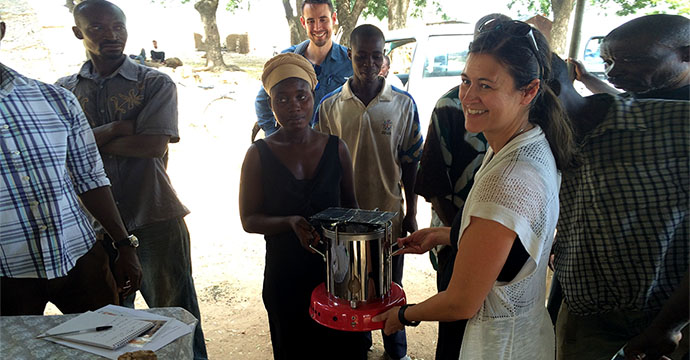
[{"x": 167, "y": 272}]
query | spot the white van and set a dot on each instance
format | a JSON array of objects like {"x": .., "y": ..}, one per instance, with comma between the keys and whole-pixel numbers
[{"x": 429, "y": 61}]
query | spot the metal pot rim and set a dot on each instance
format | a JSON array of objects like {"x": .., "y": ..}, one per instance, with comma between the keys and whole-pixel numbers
[{"x": 347, "y": 236}]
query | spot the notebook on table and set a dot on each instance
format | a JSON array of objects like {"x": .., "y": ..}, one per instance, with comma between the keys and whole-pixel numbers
[{"x": 123, "y": 330}]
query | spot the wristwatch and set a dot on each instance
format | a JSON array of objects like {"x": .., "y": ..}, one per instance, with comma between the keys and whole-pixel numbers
[
  {"x": 401, "y": 316},
  {"x": 130, "y": 240}
]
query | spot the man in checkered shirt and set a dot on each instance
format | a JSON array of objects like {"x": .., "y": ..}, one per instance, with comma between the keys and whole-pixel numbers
[
  {"x": 48, "y": 249},
  {"x": 622, "y": 243}
]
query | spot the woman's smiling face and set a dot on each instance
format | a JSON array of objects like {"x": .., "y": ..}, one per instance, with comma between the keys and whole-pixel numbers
[{"x": 488, "y": 95}]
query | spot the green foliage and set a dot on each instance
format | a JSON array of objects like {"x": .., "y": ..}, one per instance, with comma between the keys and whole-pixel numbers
[
  {"x": 440, "y": 11},
  {"x": 231, "y": 6},
  {"x": 626, "y": 7},
  {"x": 377, "y": 9},
  {"x": 538, "y": 6},
  {"x": 418, "y": 9}
]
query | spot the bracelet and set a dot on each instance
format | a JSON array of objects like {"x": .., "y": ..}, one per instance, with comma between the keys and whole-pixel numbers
[{"x": 401, "y": 316}]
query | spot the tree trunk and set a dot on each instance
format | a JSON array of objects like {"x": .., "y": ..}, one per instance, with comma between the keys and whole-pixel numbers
[
  {"x": 297, "y": 32},
  {"x": 348, "y": 13},
  {"x": 561, "y": 20},
  {"x": 397, "y": 14},
  {"x": 214, "y": 57}
]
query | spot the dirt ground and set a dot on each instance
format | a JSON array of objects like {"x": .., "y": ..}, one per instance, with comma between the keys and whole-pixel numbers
[{"x": 216, "y": 115}]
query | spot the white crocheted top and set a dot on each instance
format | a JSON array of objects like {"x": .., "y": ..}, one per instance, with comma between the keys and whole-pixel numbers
[{"x": 518, "y": 187}]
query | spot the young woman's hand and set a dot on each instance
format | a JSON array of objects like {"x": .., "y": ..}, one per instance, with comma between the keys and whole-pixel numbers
[
  {"x": 390, "y": 317},
  {"x": 306, "y": 233}
]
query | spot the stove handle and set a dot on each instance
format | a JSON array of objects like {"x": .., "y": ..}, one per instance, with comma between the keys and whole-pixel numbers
[
  {"x": 396, "y": 252},
  {"x": 318, "y": 252}
]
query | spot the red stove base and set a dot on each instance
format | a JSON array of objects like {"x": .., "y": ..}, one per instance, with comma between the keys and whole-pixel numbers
[{"x": 336, "y": 313}]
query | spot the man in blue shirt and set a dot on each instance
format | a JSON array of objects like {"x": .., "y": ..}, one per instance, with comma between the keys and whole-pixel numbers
[{"x": 331, "y": 64}]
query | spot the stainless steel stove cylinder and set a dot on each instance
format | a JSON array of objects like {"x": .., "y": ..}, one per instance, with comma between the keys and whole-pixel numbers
[{"x": 358, "y": 258}]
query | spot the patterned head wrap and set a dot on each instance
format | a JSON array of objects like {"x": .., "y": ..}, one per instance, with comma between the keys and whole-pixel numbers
[{"x": 287, "y": 65}]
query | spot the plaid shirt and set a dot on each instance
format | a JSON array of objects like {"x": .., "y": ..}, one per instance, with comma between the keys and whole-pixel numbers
[
  {"x": 47, "y": 155},
  {"x": 622, "y": 242}
]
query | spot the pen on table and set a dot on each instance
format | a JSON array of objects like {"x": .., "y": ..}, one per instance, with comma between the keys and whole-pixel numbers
[{"x": 99, "y": 328}]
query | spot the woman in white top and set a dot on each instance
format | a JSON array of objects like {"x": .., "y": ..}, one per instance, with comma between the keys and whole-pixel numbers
[{"x": 508, "y": 221}]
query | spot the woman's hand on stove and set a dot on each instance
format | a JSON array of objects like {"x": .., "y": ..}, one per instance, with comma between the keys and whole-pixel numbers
[
  {"x": 424, "y": 240},
  {"x": 390, "y": 319},
  {"x": 305, "y": 232}
]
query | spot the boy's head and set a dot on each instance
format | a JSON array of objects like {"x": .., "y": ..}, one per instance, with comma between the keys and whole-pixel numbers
[{"x": 366, "y": 52}]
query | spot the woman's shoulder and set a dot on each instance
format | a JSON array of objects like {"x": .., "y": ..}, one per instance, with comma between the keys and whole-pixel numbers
[
  {"x": 533, "y": 153},
  {"x": 530, "y": 165}
]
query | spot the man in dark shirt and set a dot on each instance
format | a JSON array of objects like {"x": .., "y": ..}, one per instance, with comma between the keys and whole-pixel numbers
[
  {"x": 133, "y": 112},
  {"x": 157, "y": 55}
]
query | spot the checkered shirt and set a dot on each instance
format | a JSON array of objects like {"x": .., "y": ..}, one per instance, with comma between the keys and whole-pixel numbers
[
  {"x": 622, "y": 242},
  {"x": 47, "y": 156}
]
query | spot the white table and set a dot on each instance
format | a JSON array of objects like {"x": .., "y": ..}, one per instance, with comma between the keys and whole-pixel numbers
[{"x": 17, "y": 338}]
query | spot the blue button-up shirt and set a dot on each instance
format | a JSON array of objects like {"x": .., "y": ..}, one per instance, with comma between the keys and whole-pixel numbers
[
  {"x": 48, "y": 155},
  {"x": 332, "y": 73}
]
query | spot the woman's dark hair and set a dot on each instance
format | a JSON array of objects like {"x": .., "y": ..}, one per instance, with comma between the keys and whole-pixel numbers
[{"x": 527, "y": 56}]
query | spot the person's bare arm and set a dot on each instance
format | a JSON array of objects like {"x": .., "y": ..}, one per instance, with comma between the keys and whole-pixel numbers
[
  {"x": 347, "y": 187},
  {"x": 591, "y": 82},
  {"x": 141, "y": 146},
  {"x": 444, "y": 209},
  {"x": 254, "y": 220},
  {"x": 476, "y": 268},
  {"x": 100, "y": 203},
  {"x": 662, "y": 336},
  {"x": 409, "y": 173},
  {"x": 107, "y": 132}
]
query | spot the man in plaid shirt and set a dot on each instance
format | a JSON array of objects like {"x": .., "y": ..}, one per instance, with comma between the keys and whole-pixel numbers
[
  {"x": 622, "y": 242},
  {"x": 48, "y": 249}
]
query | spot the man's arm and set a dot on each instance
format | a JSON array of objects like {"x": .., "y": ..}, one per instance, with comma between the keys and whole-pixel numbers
[
  {"x": 107, "y": 132},
  {"x": 264, "y": 114},
  {"x": 347, "y": 187},
  {"x": 90, "y": 182},
  {"x": 663, "y": 334},
  {"x": 592, "y": 83},
  {"x": 127, "y": 271},
  {"x": 155, "y": 125},
  {"x": 409, "y": 160},
  {"x": 141, "y": 146},
  {"x": 445, "y": 209},
  {"x": 432, "y": 179},
  {"x": 409, "y": 173}
]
